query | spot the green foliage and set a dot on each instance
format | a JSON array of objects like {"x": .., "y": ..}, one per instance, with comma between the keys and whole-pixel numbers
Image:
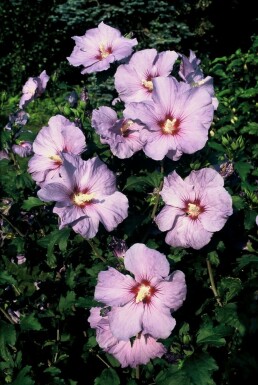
[{"x": 45, "y": 302}]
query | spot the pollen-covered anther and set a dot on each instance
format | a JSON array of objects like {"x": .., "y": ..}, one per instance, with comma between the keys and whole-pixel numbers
[
  {"x": 193, "y": 210},
  {"x": 147, "y": 84},
  {"x": 143, "y": 292},
  {"x": 56, "y": 158},
  {"x": 104, "y": 52},
  {"x": 170, "y": 126},
  {"x": 126, "y": 126},
  {"x": 81, "y": 199}
]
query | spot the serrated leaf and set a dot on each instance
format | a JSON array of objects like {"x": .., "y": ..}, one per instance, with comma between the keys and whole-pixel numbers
[
  {"x": 107, "y": 377},
  {"x": 229, "y": 316},
  {"x": 23, "y": 377},
  {"x": 31, "y": 202},
  {"x": 67, "y": 302},
  {"x": 173, "y": 376},
  {"x": 243, "y": 169},
  {"x": 210, "y": 335},
  {"x": 230, "y": 286},
  {"x": 199, "y": 368},
  {"x": 30, "y": 322},
  {"x": 7, "y": 337},
  {"x": 238, "y": 202},
  {"x": 5, "y": 278},
  {"x": 246, "y": 260}
]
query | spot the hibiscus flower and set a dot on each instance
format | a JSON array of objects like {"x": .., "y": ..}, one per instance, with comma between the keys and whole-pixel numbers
[
  {"x": 122, "y": 135},
  {"x": 85, "y": 195},
  {"x": 194, "y": 208},
  {"x": 60, "y": 136},
  {"x": 133, "y": 81},
  {"x": 138, "y": 352},
  {"x": 100, "y": 47},
  {"x": 142, "y": 304},
  {"x": 177, "y": 119},
  {"x": 33, "y": 88}
]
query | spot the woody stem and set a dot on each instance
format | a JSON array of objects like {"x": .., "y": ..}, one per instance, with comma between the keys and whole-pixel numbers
[{"x": 213, "y": 286}]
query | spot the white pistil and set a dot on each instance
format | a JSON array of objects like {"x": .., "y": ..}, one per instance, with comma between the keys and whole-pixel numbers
[
  {"x": 143, "y": 292},
  {"x": 147, "y": 84},
  {"x": 80, "y": 198},
  {"x": 169, "y": 126},
  {"x": 193, "y": 210},
  {"x": 103, "y": 51},
  {"x": 56, "y": 158}
]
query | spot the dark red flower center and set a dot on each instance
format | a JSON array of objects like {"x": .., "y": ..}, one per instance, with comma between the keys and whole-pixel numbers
[{"x": 143, "y": 291}]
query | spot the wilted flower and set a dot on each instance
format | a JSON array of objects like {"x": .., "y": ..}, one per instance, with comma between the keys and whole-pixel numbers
[
  {"x": 60, "y": 136},
  {"x": 226, "y": 169},
  {"x": 144, "y": 304},
  {"x": 118, "y": 246},
  {"x": 122, "y": 135},
  {"x": 19, "y": 118},
  {"x": 177, "y": 119},
  {"x": 4, "y": 154},
  {"x": 20, "y": 259},
  {"x": 85, "y": 195},
  {"x": 133, "y": 81},
  {"x": 33, "y": 88},
  {"x": 23, "y": 149},
  {"x": 15, "y": 315},
  {"x": 192, "y": 74},
  {"x": 73, "y": 98},
  {"x": 194, "y": 209},
  {"x": 100, "y": 47},
  {"x": 139, "y": 352}
]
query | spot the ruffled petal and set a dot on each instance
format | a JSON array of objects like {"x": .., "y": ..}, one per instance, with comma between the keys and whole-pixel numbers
[
  {"x": 114, "y": 288},
  {"x": 157, "y": 320},
  {"x": 145, "y": 263},
  {"x": 171, "y": 292},
  {"x": 167, "y": 216},
  {"x": 126, "y": 321}
]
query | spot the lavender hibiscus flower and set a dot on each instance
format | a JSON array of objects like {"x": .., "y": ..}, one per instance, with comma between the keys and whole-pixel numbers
[
  {"x": 192, "y": 74},
  {"x": 23, "y": 149},
  {"x": 133, "y": 81},
  {"x": 122, "y": 135},
  {"x": 177, "y": 119},
  {"x": 139, "y": 352},
  {"x": 33, "y": 88},
  {"x": 100, "y": 47},
  {"x": 85, "y": 194},
  {"x": 58, "y": 137},
  {"x": 194, "y": 208},
  {"x": 142, "y": 304}
]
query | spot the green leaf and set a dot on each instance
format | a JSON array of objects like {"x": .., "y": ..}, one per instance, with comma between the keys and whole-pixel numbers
[
  {"x": 173, "y": 376},
  {"x": 67, "y": 302},
  {"x": 245, "y": 260},
  {"x": 5, "y": 278},
  {"x": 230, "y": 287},
  {"x": 7, "y": 337},
  {"x": 210, "y": 335},
  {"x": 199, "y": 368},
  {"x": 243, "y": 169},
  {"x": 229, "y": 316},
  {"x": 30, "y": 322},
  {"x": 107, "y": 377},
  {"x": 23, "y": 377},
  {"x": 56, "y": 237},
  {"x": 31, "y": 202},
  {"x": 249, "y": 221},
  {"x": 238, "y": 202}
]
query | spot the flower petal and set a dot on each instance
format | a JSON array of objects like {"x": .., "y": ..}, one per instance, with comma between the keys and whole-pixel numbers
[
  {"x": 145, "y": 263},
  {"x": 113, "y": 288},
  {"x": 171, "y": 292},
  {"x": 157, "y": 320},
  {"x": 126, "y": 321},
  {"x": 167, "y": 216}
]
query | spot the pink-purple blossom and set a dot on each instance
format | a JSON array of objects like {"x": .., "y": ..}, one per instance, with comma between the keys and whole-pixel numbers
[
  {"x": 33, "y": 88},
  {"x": 100, "y": 47},
  {"x": 195, "y": 208},
  {"x": 133, "y": 81},
  {"x": 23, "y": 148},
  {"x": 122, "y": 135},
  {"x": 60, "y": 136},
  {"x": 138, "y": 352},
  {"x": 85, "y": 195},
  {"x": 192, "y": 74},
  {"x": 177, "y": 119},
  {"x": 142, "y": 304}
]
